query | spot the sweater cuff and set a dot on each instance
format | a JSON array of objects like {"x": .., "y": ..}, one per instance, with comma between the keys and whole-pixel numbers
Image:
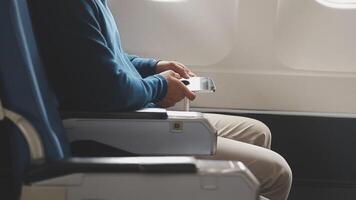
[
  {"x": 160, "y": 87},
  {"x": 145, "y": 66},
  {"x": 152, "y": 63}
]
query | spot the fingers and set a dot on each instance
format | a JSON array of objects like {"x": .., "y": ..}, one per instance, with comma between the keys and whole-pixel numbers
[
  {"x": 179, "y": 68},
  {"x": 177, "y": 75},
  {"x": 174, "y": 74},
  {"x": 176, "y": 90},
  {"x": 190, "y": 95},
  {"x": 191, "y": 74},
  {"x": 187, "y": 93},
  {"x": 188, "y": 72},
  {"x": 182, "y": 71}
]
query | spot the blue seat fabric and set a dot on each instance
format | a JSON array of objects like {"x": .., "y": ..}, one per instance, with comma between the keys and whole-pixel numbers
[{"x": 25, "y": 90}]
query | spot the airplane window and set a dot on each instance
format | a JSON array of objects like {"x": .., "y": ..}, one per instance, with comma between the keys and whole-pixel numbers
[{"x": 339, "y": 3}]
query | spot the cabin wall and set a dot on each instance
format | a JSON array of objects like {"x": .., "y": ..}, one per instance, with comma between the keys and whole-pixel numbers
[
  {"x": 275, "y": 55},
  {"x": 287, "y": 63}
]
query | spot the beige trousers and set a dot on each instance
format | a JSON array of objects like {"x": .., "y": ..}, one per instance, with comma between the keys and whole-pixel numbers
[{"x": 249, "y": 141}]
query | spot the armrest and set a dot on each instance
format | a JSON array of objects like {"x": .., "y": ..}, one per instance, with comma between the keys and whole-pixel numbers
[
  {"x": 177, "y": 134},
  {"x": 111, "y": 165},
  {"x": 112, "y": 178},
  {"x": 149, "y": 113}
]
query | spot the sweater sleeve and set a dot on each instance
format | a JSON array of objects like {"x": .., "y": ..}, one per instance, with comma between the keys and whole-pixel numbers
[
  {"x": 145, "y": 66},
  {"x": 94, "y": 78}
]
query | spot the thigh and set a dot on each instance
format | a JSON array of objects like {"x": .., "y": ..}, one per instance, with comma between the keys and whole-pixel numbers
[{"x": 241, "y": 129}]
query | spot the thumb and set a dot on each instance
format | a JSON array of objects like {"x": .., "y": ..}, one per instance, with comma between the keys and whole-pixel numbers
[
  {"x": 174, "y": 74},
  {"x": 189, "y": 94}
]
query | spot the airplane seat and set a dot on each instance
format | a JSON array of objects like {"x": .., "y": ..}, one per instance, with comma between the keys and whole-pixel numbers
[
  {"x": 42, "y": 159},
  {"x": 170, "y": 133},
  {"x": 25, "y": 89}
]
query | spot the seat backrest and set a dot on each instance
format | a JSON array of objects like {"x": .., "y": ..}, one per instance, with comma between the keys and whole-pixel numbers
[{"x": 23, "y": 85}]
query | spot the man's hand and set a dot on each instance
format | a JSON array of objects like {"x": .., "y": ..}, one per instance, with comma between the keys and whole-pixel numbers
[
  {"x": 177, "y": 67},
  {"x": 176, "y": 90}
]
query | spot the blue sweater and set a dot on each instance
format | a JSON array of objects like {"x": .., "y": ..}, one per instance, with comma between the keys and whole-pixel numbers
[{"x": 86, "y": 64}]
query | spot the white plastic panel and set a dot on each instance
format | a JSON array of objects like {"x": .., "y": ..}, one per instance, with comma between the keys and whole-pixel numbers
[
  {"x": 182, "y": 134},
  {"x": 198, "y": 32},
  {"x": 311, "y": 36},
  {"x": 276, "y": 91},
  {"x": 278, "y": 55}
]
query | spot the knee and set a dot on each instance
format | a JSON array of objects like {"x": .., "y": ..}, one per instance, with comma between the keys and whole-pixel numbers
[
  {"x": 263, "y": 134},
  {"x": 285, "y": 171},
  {"x": 282, "y": 171},
  {"x": 279, "y": 180}
]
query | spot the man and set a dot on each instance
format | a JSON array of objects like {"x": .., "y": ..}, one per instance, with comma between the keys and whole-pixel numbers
[{"x": 89, "y": 70}]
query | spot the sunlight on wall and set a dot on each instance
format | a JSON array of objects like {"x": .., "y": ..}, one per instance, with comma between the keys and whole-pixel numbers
[{"x": 341, "y": 4}]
